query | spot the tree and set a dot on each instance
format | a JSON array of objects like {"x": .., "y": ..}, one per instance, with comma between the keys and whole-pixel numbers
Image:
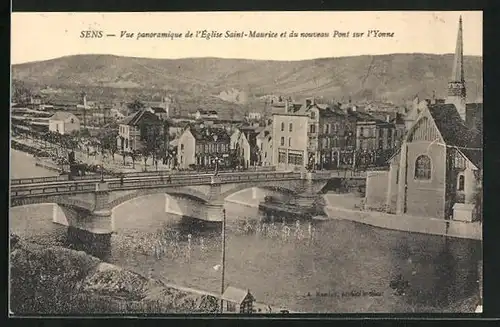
[
  {"x": 107, "y": 138},
  {"x": 20, "y": 92},
  {"x": 135, "y": 106},
  {"x": 152, "y": 138},
  {"x": 133, "y": 155}
]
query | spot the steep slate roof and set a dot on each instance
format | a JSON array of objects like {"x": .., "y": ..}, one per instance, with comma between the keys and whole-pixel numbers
[
  {"x": 455, "y": 133},
  {"x": 61, "y": 115},
  {"x": 207, "y": 134},
  {"x": 450, "y": 125},
  {"x": 236, "y": 295},
  {"x": 135, "y": 119}
]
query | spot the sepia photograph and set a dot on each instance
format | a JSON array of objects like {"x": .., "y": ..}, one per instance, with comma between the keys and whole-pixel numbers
[{"x": 246, "y": 163}]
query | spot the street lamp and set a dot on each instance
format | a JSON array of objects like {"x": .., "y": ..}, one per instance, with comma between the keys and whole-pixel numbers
[
  {"x": 216, "y": 161},
  {"x": 101, "y": 168},
  {"x": 223, "y": 258}
]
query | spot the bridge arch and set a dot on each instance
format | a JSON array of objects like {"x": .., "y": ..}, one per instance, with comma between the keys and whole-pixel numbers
[
  {"x": 39, "y": 218},
  {"x": 57, "y": 199},
  {"x": 127, "y": 196},
  {"x": 287, "y": 187}
]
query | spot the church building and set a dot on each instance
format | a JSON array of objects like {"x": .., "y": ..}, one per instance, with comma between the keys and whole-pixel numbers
[{"x": 437, "y": 170}]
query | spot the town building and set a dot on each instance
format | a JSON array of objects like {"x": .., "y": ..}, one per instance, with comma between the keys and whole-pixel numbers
[
  {"x": 203, "y": 147},
  {"x": 290, "y": 139},
  {"x": 326, "y": 134},
  {"x": 129, "y": 130},
  {"x": 201, "y": 114},
  {"x": 36, "y": 102},
  {"x": 64, "y": 123},
  {"x": 265, "y": 146},
  {"x": 244, "y": 145},
  {"x": 437, "y": 172},
  {"x": 254, "y": 116},
  {"x": 166, "y": 103}
]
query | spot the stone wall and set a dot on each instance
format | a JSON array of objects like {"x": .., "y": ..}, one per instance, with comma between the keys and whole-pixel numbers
[
  {"x": 406, "y": 223},
  {"x": 376, "y": 189}
]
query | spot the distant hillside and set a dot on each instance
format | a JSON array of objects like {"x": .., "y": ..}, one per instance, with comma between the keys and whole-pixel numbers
[{"x": 394, "y": 78}]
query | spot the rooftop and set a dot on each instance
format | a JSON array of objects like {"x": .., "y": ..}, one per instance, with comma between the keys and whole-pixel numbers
[
  {"x": 135, "y": 119},
  {"x": 61, "y": 115},
  {"x": 236, "y": 295},
  {"x": 455, "y": 133},
  {"x": 210, "y": 134}
]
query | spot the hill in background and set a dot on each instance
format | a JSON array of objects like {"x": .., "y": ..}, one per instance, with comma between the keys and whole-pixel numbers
[{"x": 237, "y": 84}]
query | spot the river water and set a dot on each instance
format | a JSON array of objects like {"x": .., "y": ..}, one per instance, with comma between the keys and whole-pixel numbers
[{"x": 329, "y": 266}]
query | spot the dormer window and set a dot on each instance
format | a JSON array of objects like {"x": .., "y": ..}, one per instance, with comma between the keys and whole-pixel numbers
[{"x": 313, "y": 115}]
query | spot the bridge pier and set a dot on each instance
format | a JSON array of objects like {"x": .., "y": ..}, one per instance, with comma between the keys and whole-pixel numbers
[
  {"x": 213, "y": 211},
  {"x": 92, "y": 234}
]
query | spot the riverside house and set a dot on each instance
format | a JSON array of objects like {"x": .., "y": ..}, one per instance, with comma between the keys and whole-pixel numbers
[
  {"x": 202, "y": 147},
  {"x": 129, "y": 130},
  {"x": 64, "y": 123}
]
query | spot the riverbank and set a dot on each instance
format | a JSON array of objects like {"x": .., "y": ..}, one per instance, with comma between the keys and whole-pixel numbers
[
  {"x": 51, "y": 279},
  {"x": 335, "y": 208}
]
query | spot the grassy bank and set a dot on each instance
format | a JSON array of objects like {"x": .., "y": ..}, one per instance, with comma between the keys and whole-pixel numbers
[{"x": 53, "y": 280}]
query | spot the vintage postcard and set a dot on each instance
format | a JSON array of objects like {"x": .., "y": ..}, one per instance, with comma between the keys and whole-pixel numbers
[{"x": 246, "y": 163}]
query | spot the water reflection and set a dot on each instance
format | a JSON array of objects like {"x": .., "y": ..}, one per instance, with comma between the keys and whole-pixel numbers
[{"x": 282, "y": 262}]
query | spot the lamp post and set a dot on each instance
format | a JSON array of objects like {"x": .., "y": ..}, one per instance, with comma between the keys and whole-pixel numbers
[
  {"x": 223, "y": 258},
  {"x": 216, "y": 161}
]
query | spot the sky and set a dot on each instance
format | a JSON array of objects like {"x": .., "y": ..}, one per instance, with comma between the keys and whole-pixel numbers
[{"x": 43, "y": 36}]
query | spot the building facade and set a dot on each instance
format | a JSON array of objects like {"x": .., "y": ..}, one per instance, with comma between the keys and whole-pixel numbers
[
  {"x": 290, "y": 140},
  {"x": 64, "y": 123},
  {"x": 203, "y": 148},
  {"x": 264, "y": 142},
  {"x": 130, "y": 132}
]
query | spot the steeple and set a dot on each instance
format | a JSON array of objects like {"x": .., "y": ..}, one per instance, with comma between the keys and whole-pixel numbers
[
  {"x": 456, "y": 85},
  {"x": 458, "y": 61}
]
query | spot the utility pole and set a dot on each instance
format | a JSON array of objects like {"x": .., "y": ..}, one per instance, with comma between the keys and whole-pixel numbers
[{"x": 223, "y": 258}]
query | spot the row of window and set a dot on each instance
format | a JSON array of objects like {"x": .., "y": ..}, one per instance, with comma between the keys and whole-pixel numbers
[
  {"x": 290, "y": 127},
  {"x": 122, "y": 129},
  {"x": 210, "y": 148},
  {"x": 282, "y": 141},
  {"x": 327, "y": 128},
  {"x": 370, "y": 132},
  {"x": 293, "y": 158}
]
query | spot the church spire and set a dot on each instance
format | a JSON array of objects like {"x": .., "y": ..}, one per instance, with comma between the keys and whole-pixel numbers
[
  {"x": 456, "y": 85},
  {"x": 458, "y": 61}
]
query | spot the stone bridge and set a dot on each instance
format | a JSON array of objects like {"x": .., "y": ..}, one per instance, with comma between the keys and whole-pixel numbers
[{"x": 87, "y": 205}]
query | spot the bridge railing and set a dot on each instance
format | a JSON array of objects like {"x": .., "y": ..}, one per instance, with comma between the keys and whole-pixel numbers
[
  {"x": 341, "y": 173},
  {"x": 63, "y": 178},
  {"x": 258, "y": 176},
  {"x": 153, "y": 182},
  {"x": 52, "y": 189}
]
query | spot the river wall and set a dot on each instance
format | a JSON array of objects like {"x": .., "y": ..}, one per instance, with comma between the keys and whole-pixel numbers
[{"x": 336, "y": 208}]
